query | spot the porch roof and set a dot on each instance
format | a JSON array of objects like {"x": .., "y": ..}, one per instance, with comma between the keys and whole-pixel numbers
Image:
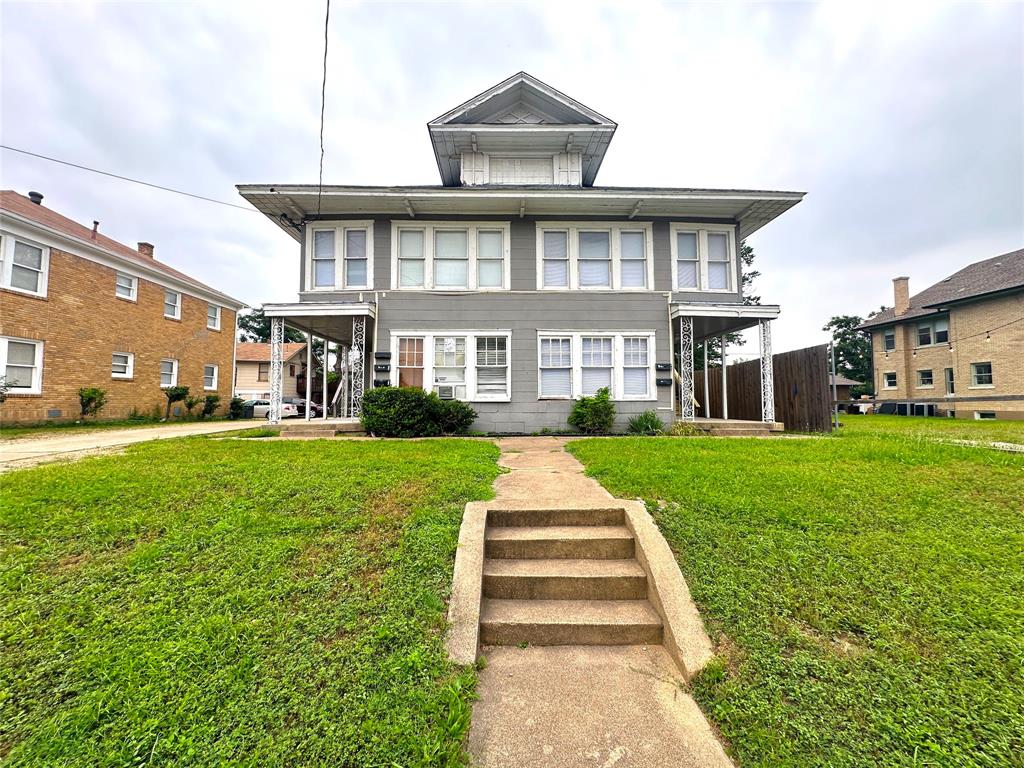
[
  {"x": 327, "y": 319},
  {"x": 714, "y": 319}
]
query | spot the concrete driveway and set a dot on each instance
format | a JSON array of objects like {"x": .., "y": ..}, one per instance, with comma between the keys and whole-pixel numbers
[{"x": 74, "y": 444}]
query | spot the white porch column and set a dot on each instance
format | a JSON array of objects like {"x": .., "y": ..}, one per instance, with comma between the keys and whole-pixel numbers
[
  {"x": 309, "y": 373},
  {"x": 276, "y": 367},
  {"x": 725, "y": 389},
  {"x": 707, "y": 386},
  {"x": 358, "y": 376},
  {"x": 767, "y": 372},
  {"x": 326, "y": 358},
  {"x": 686, "y": 368}
]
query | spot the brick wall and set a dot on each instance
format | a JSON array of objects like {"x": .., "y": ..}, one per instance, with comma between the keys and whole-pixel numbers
[
  {"x": 83, "y": 323},
  {"x": 968, "y": 325}
]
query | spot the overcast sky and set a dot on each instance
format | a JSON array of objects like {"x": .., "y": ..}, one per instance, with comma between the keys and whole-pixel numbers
[{"x": 904, "y": 123}]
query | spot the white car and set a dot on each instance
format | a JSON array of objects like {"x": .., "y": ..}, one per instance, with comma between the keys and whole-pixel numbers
[{"x": 261, "y": 408}]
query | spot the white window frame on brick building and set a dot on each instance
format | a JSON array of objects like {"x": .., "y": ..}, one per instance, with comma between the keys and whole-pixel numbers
[
  {"x": 885, "y": 380},
  {"x": 172, "y": 373},
  {"x": 585, "y": 365},
  {"x": 126, "y": 286},
  {"x": 213, "y": 317},
  {"x": 982, "y": 376},
  {"x": 175, "y": 303},
  {"x": 123, "y": 368},
  {"x": 15, "y": 266},
  {"x": 35, "y": 367},
  {"x": 210, "y": 372}
]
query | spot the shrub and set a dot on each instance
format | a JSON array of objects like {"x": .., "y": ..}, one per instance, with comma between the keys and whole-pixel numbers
[
  {"x": 174, "y": 395},
  {"x": 685, "y": 429},
  {"x": 454, "y": 417},
  {"x": 92, "y": 400},
  {"x": 236, "y": 407},
  {"x": 593, "y": 415},
  {"x": 210, "y": 403},
  {"x": 191, "y": 402},
  {"x": 646, "y": 423}
]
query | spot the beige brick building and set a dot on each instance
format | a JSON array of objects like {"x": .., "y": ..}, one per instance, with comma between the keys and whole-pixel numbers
[
  {"x": 956, "y": 348},
  {"x": 78, "y": 309}
]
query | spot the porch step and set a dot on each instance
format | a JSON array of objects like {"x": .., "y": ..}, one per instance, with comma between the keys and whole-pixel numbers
[
  {"x": 598, "y": 542},
  {"x": 580, "y": 579},
  {"x": 303, "y": 428},
  {"x": 563, "y": 517},
  {"x": 569, "y": 622}
]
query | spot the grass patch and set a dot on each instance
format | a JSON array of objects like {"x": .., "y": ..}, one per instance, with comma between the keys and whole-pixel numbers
[
  {"x": 201, "y": 602},
  {"x": 865, "y": 591},
  {"x": 58, "y": 428},
  {"x": 935, "y": 428}
]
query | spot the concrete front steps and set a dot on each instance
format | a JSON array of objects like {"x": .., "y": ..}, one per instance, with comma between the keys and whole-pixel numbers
[
  {"x": 738, "y": 427},
  {"x": 319, "y": 428},
  {"x": 564, "y": 577}
]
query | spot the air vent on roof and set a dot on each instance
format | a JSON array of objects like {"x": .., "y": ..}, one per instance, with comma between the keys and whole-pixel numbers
[{"x": 36, "y": 197}]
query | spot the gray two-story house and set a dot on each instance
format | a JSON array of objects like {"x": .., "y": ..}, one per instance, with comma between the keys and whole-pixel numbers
[{"x": 516, "y": 284}]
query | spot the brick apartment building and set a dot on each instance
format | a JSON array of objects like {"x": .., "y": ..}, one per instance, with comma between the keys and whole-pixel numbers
[
  {"x": 78, "y": 309},
  {"x": 956, "y": 348}
]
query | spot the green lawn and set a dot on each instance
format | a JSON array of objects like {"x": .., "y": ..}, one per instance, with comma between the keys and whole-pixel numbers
[
  {"x": 865, "y": 591},
  {"x": 232, "y": 602},
  {"x": 935, "y": 428},
  {"x": 59, "y": 428}
]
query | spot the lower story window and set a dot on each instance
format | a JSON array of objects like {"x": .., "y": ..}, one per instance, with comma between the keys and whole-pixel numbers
[
  {"x": 597, "y": 364},
  {"x": 491, "y": 366},
  {"x": 209, "y": 377},
  {"x": 467, "y": 365},
  {"x": 168, "y": 373},
  {"x": 924, "y": 378},
  {"x": 410, "y": 362},
  {"x": 573, "y": 365},
  {"x": 21, "y": 361},
  {"x": 889, "y": 379},
  {"x": 121, "y": 364},
  {"x": 556, "y": 367},
  {"x": 450, "y": 367},
  {"x": 981, "y": 374},
  {"x": 635, "y": 366}
]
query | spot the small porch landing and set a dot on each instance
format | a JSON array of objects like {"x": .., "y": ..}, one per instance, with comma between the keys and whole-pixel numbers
[
  {"x": 737, "y": 427},
  {"x": 320, "y": 427}
]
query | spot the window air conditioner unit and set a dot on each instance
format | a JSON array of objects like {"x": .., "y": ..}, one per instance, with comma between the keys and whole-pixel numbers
[{"x": 445, "y": 392}]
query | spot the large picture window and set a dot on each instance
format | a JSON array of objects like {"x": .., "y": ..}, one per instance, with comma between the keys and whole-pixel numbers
[
  {"x": 703, "y": 257},
  {"x": 594, "y": 256},
  {"x": 574, "y": 364},
  {"x": 450, "y": 256},
  {"x": 461, "y": 365},
  {"x": 340, "y": 256}
]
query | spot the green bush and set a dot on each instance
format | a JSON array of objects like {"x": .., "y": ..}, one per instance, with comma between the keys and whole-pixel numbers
[
  {"x": 191, "y": 402},
  {"x": 92, "y": 400},
  {"x": 210, "y": 403},
  {"x": 236, "y": 408},
  {"x": 174, "y": 395},
  {"x": 594, "y": 415},
  {"x": 411, "y": 412},
  {"x": 646, "y": 423}
]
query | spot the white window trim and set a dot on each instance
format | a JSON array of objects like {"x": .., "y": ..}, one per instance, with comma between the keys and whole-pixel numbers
[
  {"x": 7, "y": 241},
  {"x": 130, "y": 373},
  {"x": 339, "y": 228},
  {"x": 177, "y": 307},
  {"x": 216, "y": 376},
  {"x": 174, "y": 372},
  {"x": 472, "y": 229},
  {"x": 615, "y": 230},
  {"x": 972, "y": 385},
  {"x": 618, "y": 386},
  {"x": 216, "y": 325},
  {"x": 471, "y": 336},
  {"x": 886, "y": 386},
  {"x": 135, "y": 287},
  {"x": 702, "y": 230},
  {"x": 37, "y": 366}
]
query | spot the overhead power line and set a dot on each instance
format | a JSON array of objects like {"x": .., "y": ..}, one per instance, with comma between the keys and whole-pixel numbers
[
  {"x": 323, "y": 106},
  {"x": 127, "y": 178}
]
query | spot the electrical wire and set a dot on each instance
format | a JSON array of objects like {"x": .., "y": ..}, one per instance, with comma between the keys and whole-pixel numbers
[
  {"x": 323, "y": 106},
  {"x": 126, "y": 178}
]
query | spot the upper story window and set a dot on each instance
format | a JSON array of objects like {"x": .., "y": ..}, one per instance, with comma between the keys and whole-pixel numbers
[
  {"x": 889, "y": 339},
  {"x": 889, "y": 379},
  {"x": 594, "y": 256},
  {"x": 561, "y": 168},
  {"x": 262, "y": 371},
  {"x": 521, "y": 170},
  {"x": 213, "y": 317},
  {"x": 450, "y": 255},
  {"x": 703, "y": 257},
  {"x": 126, "y": 286},
  {"x": 122, "y": 365},
  {"x": 172, "y": 305},
  {"x": 23, "y": 265},
  {"x": 21, "y": 365},
  {"x": 341, "y": 257},
  {"x": 931, "y": 332}
]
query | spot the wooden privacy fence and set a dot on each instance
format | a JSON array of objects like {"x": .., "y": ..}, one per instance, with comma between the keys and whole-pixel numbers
[{"x": 803, "y": 401}]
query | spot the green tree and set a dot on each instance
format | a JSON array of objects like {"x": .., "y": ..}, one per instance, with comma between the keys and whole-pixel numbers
[
  {"x": 853, "y": 351},
  {"x": 174, "y": 395},
  {"x": 254, "y": 326}
]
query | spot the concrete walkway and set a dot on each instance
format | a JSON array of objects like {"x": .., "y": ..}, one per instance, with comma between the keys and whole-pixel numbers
[
  {"x": 580, "y": 706},
  {"x": 74, "y": 444}
]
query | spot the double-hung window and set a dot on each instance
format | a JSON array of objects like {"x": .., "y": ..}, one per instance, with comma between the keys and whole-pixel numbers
[
  {"x": 213, "y": 317},
  {"x": 341, "y": 257},
  {"x": 168, "y": 373},
  {"x": 889, "y": 339},
  {"x": 594, "y": 256},
  {"x": 597, "y": 364},
  {"x": 889, "y": 379},
  {"x": 121, "y": 365},
  {"x": 23, "y": 266},
  {"x": 556, "y": 367},
  {"x": 461, "y": 365},
  {"x": 450, "y": 256},
  {"x": 595, "y": 259},
  {"x": 636, "y": 369},
  {"x": 931, "y": 332},
  {"x": 172, "y": 305},
  {"x": 126, "y": 286},
  {"x": 981, "y": 375},
  {"x": 262, "y": 371},
  {"x": 703, "y": 257},
  {"x": 209, "y": 377},
  {"x": 924, "y": 378},
  {"x": 21, "y": 365}
]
